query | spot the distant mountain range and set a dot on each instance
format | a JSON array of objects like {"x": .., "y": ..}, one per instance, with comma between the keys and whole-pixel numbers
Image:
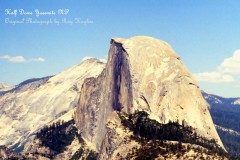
[
  {"x": 218, "y": 100},
  {"x": 225, "y": 113}
]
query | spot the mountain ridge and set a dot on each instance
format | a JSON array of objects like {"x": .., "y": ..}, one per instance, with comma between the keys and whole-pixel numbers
[
  {"x": 225, "y": 114},
  {"x": 143, "y": 78},
  {"x": 145, "y": 74},
  {"x": 212, "y": 98},
  {"x": 27, "y": 108}
]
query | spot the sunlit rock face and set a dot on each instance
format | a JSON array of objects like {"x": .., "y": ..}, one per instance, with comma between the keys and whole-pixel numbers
[
  {"x": 36, "y": 102},
  {"x": 142, "y": 73}
]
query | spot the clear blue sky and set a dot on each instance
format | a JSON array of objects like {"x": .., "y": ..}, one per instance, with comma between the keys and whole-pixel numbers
[{"x": 203, "y": 33}]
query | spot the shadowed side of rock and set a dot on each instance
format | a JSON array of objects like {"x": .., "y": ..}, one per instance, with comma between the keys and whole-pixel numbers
[
  {"x": 102, "y": 95},
  {"x": 142, "y": 73}
]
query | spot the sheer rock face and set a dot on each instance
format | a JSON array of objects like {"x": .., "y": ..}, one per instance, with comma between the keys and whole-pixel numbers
[
  {"x": 24, "y": 110},
  {"x": 142, "y": 73}
]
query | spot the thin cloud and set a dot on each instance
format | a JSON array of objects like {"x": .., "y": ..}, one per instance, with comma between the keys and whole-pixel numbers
[
  {"x": 104, "y": 60},
  {"x": 21, "y": 59},
  {"x": 37, "y": 59},
  {"x": 86, "y": 58},
  {"x": 226, "y": 72},
  {"x": 214, "y": 77}
]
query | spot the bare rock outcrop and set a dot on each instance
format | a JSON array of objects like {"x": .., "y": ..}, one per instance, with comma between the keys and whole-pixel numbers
[
  {"x": 34, "y": 103},
  {"x": 142, "y": 73}
]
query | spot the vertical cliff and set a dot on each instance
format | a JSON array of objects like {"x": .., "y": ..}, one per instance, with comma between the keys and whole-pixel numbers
[{"x": 142, "y": 73}]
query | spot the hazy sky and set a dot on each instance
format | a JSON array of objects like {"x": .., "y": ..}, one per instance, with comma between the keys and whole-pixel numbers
[{"x": 206, "y": 35}]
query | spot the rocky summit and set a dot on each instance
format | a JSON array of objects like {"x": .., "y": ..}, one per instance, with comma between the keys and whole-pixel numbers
[
  {"x": 141, "y": 74},
  {"x": 142, "y": 104}
]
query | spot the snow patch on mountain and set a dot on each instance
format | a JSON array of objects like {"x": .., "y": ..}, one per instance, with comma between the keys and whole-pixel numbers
[
  {"x": 237, "y": 102},
  {"x": 214, "y": 99},
  {"x": 231, "y": 131}
]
